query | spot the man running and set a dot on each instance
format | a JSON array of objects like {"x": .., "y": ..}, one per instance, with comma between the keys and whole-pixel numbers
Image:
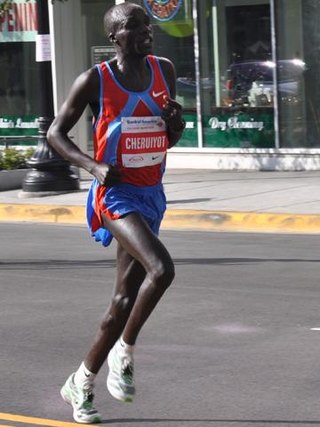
[{"x": 136, "y": 120}]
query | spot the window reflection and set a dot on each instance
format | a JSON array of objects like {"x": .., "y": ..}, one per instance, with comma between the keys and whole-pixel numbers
[
  {"x": 252, "y": 83},
  {"x": 237, "y": 77},
  {"x": 19, "y": 79}
]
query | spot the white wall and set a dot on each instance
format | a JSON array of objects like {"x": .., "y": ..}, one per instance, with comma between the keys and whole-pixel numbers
[{"x": 67, "y": 56}]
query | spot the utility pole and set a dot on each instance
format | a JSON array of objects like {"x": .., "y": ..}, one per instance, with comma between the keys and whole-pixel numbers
[{"x": 49, "y": 173}]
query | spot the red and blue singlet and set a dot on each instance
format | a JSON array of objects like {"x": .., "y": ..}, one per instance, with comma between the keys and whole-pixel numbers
[{"x": 130, "y": 134}]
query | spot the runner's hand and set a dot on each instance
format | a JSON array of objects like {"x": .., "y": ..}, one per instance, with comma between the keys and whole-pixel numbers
[
  {"x": 107, "y": 175},
  {"x": 172, "y": 113}
]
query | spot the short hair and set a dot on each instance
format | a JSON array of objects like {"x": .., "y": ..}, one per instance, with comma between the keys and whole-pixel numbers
[{"x": 116, "y": 14}]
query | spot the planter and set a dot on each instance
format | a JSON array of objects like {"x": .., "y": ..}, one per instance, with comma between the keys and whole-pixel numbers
[{"x": 11, "y": 179}]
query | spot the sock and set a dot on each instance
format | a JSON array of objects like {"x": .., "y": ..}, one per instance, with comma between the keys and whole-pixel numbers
[
  {"x": 83, "y": 376},
  {"x": 124, "y": 347}
]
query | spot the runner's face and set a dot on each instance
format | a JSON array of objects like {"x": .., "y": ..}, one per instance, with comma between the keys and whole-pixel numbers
[{"x": 134, "y": 33}]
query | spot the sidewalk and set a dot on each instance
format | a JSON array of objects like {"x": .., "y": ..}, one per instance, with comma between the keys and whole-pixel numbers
[{"x": 201, "y": 200}]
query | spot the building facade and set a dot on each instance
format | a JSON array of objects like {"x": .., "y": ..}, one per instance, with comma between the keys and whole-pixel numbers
[{"x": 247, "y": 75}]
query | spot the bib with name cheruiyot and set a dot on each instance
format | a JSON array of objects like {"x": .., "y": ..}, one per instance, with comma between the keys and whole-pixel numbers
[{"x": 144, "y": 141}]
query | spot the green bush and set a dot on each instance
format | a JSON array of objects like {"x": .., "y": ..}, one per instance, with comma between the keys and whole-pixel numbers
[{"x": 11, "y": 158}]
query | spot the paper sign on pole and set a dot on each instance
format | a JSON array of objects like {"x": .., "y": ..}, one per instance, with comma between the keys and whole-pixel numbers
[{"x": 43, "y": 48}]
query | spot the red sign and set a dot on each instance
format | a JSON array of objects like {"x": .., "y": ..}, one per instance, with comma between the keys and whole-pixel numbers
[{"x": 19, "y": 22}]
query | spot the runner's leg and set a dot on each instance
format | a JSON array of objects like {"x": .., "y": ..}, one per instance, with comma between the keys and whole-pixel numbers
[
  {"x": 137, "y": 239},
  {"x": 130, "y": 275}
]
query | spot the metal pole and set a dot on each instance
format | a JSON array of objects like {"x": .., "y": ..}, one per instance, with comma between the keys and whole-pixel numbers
[
  {"x": 275, "y": 73},
  {"x": 215, "y": 33},
  {"x": 49, "y": 173},
  {"x": 198, "y": 76}
]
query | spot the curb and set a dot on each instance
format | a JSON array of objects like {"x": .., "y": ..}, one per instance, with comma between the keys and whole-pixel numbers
[
  {"x": 198, "y": 220},
  {"x": 63, "y": 214},
  {"x": 257, "y": 222}
]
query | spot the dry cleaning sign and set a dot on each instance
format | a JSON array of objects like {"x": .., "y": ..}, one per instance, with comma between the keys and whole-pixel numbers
[{"x": 163, "y": 10}]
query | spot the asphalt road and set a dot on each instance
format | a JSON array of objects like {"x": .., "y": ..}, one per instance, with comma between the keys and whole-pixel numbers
[{"x": 232, "y": 343}]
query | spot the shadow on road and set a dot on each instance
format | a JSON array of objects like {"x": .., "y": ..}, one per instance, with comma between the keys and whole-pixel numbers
[
  {"x": 237, "y": 261},
  {"x": 52, "y": 264},
  {"x": 172, "y": 202}
]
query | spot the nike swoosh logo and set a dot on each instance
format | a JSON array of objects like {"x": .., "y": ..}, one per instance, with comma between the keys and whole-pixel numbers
[
  {"x": 156, "y": 94},
  {"x": 155, "y": 157}
]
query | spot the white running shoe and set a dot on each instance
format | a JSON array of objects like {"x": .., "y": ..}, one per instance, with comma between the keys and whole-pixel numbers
[
  {"x": 120, "y": 381},
  {"x": 81, "y": 400}
]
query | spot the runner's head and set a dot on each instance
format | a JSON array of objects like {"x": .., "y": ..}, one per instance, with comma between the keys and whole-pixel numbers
[{"x": 128, "y": 27}]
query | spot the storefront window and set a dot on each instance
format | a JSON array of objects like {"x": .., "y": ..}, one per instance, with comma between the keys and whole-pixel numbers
[
  {"x": 19, "y": 100},
  {"x": 247, "y": 85},
  {"x": 237, "y": 78}
]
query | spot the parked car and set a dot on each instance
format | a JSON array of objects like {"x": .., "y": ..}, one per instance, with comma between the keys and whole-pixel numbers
[{"x": 252, "y": 83}]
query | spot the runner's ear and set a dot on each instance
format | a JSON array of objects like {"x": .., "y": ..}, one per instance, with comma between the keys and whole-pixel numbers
[{"x": 112, "y": 37}]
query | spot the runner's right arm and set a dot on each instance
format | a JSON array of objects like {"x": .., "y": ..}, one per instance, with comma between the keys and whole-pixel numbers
[{"x": 84, "y": 92}]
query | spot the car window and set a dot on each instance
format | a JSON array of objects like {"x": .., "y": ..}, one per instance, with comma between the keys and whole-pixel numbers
[{"x": 251, "y": 71}]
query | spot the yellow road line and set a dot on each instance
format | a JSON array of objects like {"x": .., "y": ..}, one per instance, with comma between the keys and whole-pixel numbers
[{"x": 35, "y": 421}]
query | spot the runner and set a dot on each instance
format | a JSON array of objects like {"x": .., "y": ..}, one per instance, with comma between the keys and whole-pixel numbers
[{"x": 136, "y": 119}]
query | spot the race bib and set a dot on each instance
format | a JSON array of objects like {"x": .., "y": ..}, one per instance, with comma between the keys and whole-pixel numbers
[{"x": 144, "y": 141}]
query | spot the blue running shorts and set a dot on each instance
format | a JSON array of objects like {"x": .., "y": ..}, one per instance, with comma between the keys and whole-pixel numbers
[{"x": 149, "y": 202}]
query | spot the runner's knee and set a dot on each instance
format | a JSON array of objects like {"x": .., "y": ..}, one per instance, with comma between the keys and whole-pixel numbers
[{"x": 163, "y": 274}]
